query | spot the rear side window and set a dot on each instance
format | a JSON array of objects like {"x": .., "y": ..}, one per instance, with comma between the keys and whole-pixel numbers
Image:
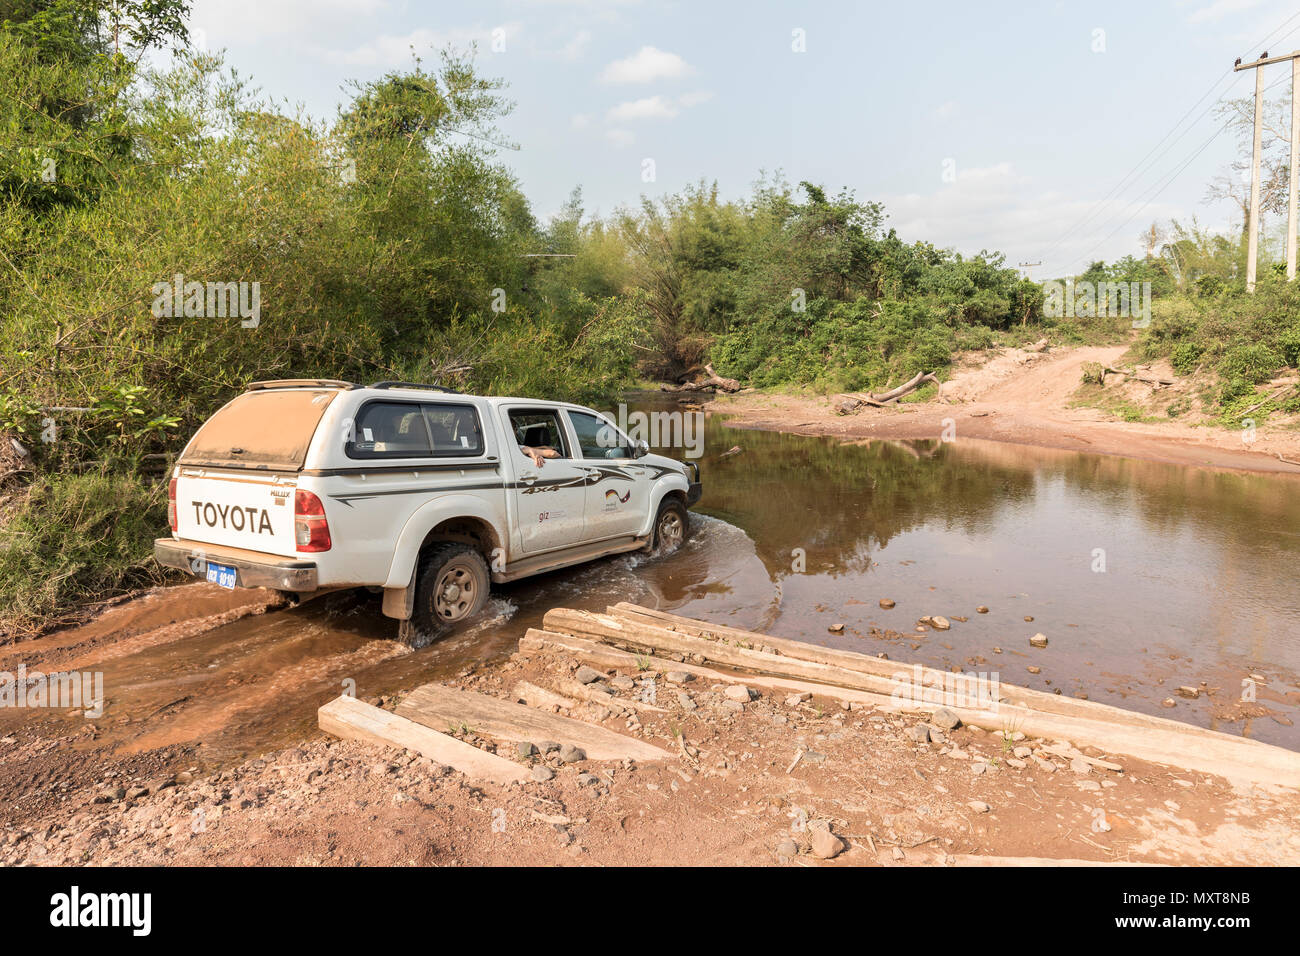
[
  {"x": 415, "y": 430},
  {"x": 268, "y": 429}
]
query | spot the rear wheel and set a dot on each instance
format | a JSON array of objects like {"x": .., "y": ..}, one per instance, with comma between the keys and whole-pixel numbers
[
  {"x": 671, "y": 526},
  {"x": 453, "y": 585}
]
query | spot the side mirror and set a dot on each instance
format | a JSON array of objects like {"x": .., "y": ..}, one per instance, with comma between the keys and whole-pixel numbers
[{"x": 640, "y": 449}]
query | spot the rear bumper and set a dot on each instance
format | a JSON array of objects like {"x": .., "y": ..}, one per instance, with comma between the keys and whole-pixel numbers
[{"x": 252, "y": 570}]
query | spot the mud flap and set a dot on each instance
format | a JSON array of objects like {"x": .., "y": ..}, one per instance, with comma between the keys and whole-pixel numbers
[{"x": 400, "y": 602}]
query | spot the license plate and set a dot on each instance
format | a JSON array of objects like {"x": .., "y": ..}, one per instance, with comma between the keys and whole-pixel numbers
[{"x": 221, "y": 575}]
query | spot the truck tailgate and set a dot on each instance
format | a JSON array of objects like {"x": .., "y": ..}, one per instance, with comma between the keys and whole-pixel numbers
[{"x": 241, "y": 510}]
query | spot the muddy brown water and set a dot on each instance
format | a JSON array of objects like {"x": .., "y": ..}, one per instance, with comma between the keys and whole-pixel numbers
[{"x": 1144, "y": 577}]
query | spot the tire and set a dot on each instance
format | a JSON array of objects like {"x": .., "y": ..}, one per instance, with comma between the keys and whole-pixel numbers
[
  {"x": 672, "y": 525},
  {"x": 453, "y": 585}
]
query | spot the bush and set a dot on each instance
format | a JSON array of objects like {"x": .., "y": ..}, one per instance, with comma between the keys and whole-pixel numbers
[{"x": 75, "y": 538}]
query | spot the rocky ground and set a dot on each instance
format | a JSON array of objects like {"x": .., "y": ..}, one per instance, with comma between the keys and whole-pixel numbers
[{"x": 759, "y": 778}]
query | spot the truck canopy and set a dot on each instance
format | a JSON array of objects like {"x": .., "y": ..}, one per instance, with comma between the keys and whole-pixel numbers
[{"x": 267, "y": 429}]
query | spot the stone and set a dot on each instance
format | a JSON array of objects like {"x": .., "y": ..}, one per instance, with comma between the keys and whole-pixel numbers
[
  {"x": 794, "y": 700},
  {"x": 587, "y": 780},
  {"x": 572, "y": 754},
  {"x": 787, "y": 849},
  {"x": 1034, "y": 669},
  {"x": 685, "y": 699},
  {"x": 1042, "y": 764},
  {"x": 525, "y": 748},
  {"x": 978, "y": 767},
  {"x": 937, "y": 622},
  {"x": 825, "y": 844},
  {"x": 1024, "y": 753},
  {"x": 1039, "y": 640},
  {"x": 1080, "y": 766},
  {"x": 587, "y": 675},
  {"x": 739, "y": 692},
  {"x": 836, "y": 628},
  {"x": 542, "y": 773},
  {"x": 1189, "y": 692},
  {"x": 979, "y": 806},
  {"x": 981, "y": 610},
  {"x": 886, "y": 603},
  {"x": 679, "y": 677},
  {"x": 547, "y": 746},
  {"x": 945, "y": 719},
  {"x": 920, "y": 733}
]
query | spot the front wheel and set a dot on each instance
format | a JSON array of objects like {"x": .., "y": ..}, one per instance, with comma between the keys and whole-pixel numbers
[
  {"x": 453, "y": 585},
  {"x": 671, "y": 526}
]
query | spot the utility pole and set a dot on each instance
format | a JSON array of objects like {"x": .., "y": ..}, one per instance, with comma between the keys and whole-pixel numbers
[
  {"x": 1252, "y": 239},
  {"x": 1029, "y": 265}
]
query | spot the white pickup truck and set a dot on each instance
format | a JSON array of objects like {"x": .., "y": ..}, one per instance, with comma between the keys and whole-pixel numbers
[{"x": 308, "y": 485}]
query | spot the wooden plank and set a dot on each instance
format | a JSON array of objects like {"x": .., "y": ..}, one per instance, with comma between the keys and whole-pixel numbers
[
  {"x": 437, "y": 705},
  {"x": 604, "y": 655},
  {"x": 535, "y": 696},
  {"x": 351, "y": 719},
  {"x": 1107, "y": 728},
  {"x": 1037, "y": 700}
]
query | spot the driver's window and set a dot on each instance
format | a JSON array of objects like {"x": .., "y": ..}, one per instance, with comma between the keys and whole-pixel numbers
[
  {"x": 538, "y": 429},
  {"x": 598, "y": 438}
]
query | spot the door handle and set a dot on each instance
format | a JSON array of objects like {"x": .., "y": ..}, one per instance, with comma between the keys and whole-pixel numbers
[{"x": 528, "y": 477}]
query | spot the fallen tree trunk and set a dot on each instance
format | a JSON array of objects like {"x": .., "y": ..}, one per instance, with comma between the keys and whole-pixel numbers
[
  {"x": 714, "y": 381},
  {"x": 911, "y": 385}
]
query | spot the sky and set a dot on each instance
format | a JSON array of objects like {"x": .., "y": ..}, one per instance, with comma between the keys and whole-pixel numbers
[{"x": 1054, "y": 132}]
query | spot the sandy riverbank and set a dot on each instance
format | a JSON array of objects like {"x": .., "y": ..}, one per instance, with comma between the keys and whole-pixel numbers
[{"x": 1029, "y": 398}]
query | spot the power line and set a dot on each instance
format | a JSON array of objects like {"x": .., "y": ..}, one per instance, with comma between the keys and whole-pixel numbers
[
  {"x": 1143, "y": 165},
  {"x": 1170, "y": 178}
]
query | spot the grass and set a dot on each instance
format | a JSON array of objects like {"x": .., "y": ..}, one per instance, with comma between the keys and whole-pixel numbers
[{"x": 73, "y": 539}]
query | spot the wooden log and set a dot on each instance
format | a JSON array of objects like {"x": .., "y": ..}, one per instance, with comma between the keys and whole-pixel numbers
[
  {"x": 907, "y": 387},
  {"x": 587, "y": 692},
  {"x": 853, "y": 660},
  {"x": 714, "y": 381},
  {"x": 436, "y": 705},
  {"x": 351, "y": 719},
  {"x": 537, "y": 641},
  {"x": 606, "y": 627},
  {"x": 535, "y": 696},
  {"x": 1082, "y": 722}
]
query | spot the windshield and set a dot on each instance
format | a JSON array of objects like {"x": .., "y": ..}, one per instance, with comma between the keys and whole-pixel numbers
[{"x": 264, "y": 429}]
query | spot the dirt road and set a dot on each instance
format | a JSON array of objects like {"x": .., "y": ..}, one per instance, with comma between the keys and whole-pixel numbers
[{"x": 1025, "y": 397}]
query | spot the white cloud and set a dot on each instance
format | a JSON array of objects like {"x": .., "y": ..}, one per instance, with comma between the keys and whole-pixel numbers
[
  {"x": 620, "y": 137},
  {"x": 394, "y": 50},
  {"x": 649, "y": 107},
  {"x": 997, "y": 208},
  {"x": 645, "y": 66},
  {"x": 575, "y": 46},
  {"x": 687, "y": 100}
]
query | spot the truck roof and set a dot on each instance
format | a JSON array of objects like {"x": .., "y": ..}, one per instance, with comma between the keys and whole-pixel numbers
[{"x": 432, "y": 390}]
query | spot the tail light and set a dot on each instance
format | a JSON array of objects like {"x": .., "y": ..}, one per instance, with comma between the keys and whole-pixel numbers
[
  {"x": 311, "y": 531},
  {"x": 171, "y": 505}
]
